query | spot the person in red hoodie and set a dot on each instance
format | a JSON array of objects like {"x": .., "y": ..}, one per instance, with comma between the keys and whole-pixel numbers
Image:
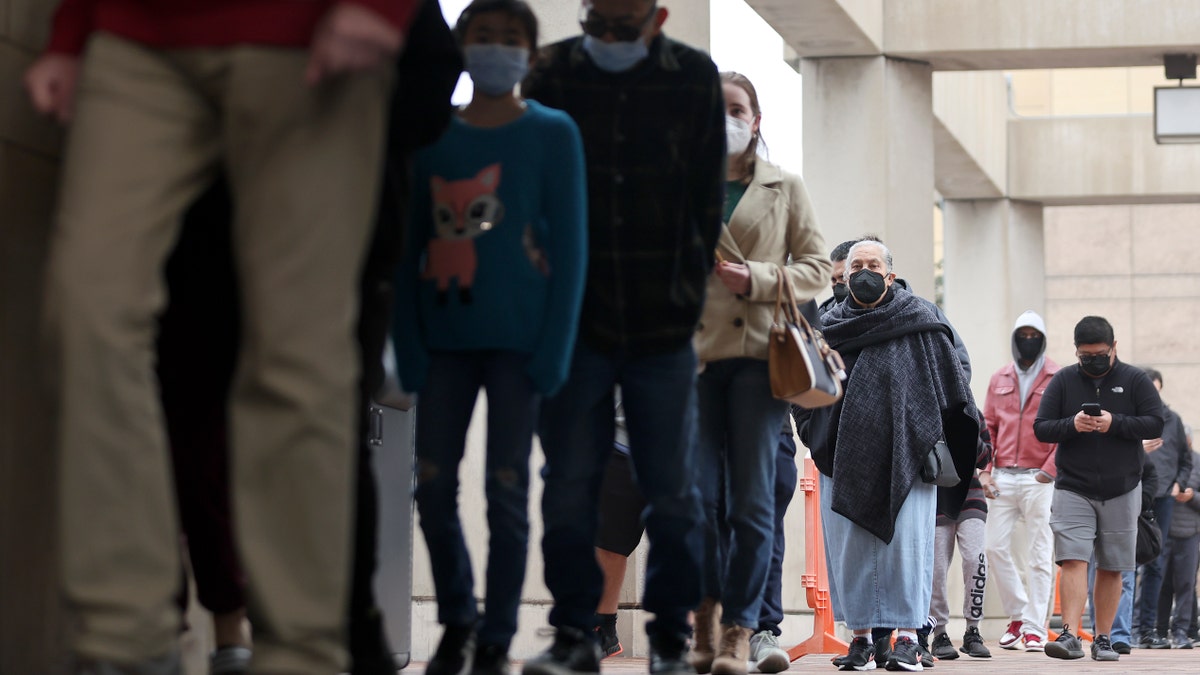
[
  {"x": 288, "y": 98},
  {"x": 1020, "y": 483}
]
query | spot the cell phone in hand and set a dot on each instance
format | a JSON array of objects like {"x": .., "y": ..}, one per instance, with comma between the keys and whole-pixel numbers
[{"x": 1092, "y": 409}]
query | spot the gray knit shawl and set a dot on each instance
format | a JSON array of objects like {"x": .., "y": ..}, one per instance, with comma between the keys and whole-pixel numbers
[{"x": 906, "y": 390}]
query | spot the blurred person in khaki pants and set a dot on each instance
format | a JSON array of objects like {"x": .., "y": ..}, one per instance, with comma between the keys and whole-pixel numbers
[{"x": 161, "y": 96}]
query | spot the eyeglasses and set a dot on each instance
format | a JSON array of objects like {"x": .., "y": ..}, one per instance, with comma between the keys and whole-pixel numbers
[
  {"x": 1105, "y": 355},
  {"x": 597, "y": 26}
]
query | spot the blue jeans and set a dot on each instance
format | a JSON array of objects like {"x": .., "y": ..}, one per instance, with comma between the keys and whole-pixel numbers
[
  {"x": 443, "y": 414},
  {"x": 739, "y": 422},
  {"x": 771, "y": 613},
  {"x": 1123, "y": 620},
  {"x": 1154, "y": 571},
  {"x": 577, "y": 429}
]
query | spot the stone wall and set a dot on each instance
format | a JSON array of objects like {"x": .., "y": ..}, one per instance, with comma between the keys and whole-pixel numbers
[{"x": 1133, "y": 265}]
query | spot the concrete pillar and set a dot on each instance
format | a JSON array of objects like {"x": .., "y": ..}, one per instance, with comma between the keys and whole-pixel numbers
[
  {"x": 868, "y": 155},
  {"x": 994, "y": 270}
]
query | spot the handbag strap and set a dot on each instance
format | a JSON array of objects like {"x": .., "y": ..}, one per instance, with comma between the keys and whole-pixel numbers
[{"x": 785, "y": 299}]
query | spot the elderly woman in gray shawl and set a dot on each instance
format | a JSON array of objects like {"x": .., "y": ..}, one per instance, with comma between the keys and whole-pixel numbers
[{"x": 906, "y": 391}]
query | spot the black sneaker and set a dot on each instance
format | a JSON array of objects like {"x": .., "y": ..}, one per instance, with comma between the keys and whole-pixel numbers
[
  {"x": 1067, "y": 646},
  {"x": 973, "y": 644},
  {"x": 491, "y": 660},
  {"x": 922, "y": 649},
  {"x": 883, "y": 650},
  {"x": 905, "y": 655},
  {"x": 1102, "y": 649},
  {"x": 453, "y": 653},
  {"x": 573, "y": 651},
  {"x": 668, "y": 655},
  {"x": 1153, "y": 640},
  {"x": 610, "y": 644},
  {"x": 1121, "y": 647},
  {"x": 1180, "y": 640},
  {"x": 943, "y": 648},
  {"x": 860, "y": 657}
]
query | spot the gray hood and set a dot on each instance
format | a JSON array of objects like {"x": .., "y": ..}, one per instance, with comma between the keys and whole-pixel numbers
[{"x": 1034, "y": 320}]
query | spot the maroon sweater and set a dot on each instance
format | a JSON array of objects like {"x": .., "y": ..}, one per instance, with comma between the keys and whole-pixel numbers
[{"x": 167, "y": 24}]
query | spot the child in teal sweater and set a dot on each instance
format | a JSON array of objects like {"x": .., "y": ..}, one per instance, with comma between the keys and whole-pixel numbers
[{"x": 488, "y": 295}]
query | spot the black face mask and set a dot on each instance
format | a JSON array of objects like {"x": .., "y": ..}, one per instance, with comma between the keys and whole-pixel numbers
[
  {"x": 1095, "y": 365},
  {"x": 1029, "y": 347},
  {"x": 867, "y": 286},
  {"x": 840, "y": 292}
]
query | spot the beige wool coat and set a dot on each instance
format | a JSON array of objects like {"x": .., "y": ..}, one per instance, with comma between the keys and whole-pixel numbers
[{"x": 772, "y": 228}]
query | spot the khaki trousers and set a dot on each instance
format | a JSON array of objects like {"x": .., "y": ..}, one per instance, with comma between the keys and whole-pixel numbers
[{"x": 151, "y": 129}]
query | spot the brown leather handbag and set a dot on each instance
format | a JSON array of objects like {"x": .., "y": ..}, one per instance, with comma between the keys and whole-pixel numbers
[{"x": 804, "y": 369}]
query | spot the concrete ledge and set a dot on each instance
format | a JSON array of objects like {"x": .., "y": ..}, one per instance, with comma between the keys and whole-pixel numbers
[
  {"x": 990, "y": 35},
  {"x": 819, "y": 28},
  {"x": 1098, "y": 160}
]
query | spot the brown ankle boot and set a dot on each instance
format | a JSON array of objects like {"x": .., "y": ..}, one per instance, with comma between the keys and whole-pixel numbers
[
  {"x": 732, "y": 652},
  {"x": 704, "y": 635}
]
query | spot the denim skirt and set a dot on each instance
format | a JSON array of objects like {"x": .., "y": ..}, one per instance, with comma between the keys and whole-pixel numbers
[{"x": 873, "y": 584}]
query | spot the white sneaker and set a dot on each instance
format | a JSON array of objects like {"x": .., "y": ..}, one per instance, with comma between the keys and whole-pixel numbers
[
  {"x": 1012, "y": 636},
  {"x": 1033, "y": 642},
  {"x": 766, "y": 653}
]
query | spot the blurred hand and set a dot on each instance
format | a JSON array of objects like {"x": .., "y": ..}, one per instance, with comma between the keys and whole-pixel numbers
[
  {"x": 1150, "y": 445},
  {"x": 735, "y": 276},
  {"x": 50, "y": 83},
  {"x": 1043, "y": 477},
  {"x": 1185, "y": 495},
  {"x": 1174, "y": 489},
  {"x": 350, "y": 38},
  {"x": 989, "y": 487},
  {"x": 1085, "y": 423}
]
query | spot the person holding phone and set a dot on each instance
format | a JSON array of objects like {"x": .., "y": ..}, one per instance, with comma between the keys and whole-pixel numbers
[{"x": 1099, "y": 463}]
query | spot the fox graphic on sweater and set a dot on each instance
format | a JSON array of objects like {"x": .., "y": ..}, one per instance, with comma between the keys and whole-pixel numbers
[{"x": 462, "y": 210}]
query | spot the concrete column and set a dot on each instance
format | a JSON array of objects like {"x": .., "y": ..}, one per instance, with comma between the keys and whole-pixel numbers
[
  {"x": 868, "y": 155},
  {"x": 994, "y": 270}
]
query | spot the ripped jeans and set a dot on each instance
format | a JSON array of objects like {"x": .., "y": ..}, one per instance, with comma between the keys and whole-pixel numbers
[{"x": 443, "y": 414}]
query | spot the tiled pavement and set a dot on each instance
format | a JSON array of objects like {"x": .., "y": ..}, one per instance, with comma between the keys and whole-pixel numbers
[{"x": 1002, "y": 662}]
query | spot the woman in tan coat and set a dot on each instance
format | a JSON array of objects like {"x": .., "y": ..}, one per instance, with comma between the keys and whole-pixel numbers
[{"x": 770, "y": 230}]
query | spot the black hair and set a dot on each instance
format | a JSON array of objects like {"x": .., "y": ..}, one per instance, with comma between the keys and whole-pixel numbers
[
  {"x": 517, "y": 9},
  {"x": 1093, "y": 330},
  {"x": 841, "y": 251},
  {"x": 1153, "y": 374}
]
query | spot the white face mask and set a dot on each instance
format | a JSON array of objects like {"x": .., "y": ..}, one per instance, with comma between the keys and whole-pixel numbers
[
  {"x": 737, "y": 135},
  {"x": 615, "y": 57},
  {"x": 496, "y": 69}
]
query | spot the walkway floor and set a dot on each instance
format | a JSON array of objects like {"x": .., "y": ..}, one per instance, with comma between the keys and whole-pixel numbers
[{"x": 1002, "y": 662}]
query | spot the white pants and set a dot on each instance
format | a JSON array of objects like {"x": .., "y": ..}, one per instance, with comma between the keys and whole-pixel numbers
[{"x": 1022, "y": 497}]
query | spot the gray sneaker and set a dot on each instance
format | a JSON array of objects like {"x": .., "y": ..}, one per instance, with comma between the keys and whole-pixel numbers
[
  {"x": 1102, "y": 650},
  {"x": 767, "y": 654},
  {"x": 1180, "y": 640},
  {"x": 1067, "y": 646},
  {"x": 943, "y": 648}
]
